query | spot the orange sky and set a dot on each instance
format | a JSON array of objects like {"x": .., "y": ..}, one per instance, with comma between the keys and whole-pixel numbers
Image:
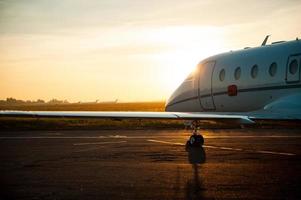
[{"x": 124, "y": 49}]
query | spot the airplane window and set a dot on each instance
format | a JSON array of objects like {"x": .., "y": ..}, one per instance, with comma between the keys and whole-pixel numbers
[
  {"x": 237, "y": 73},
  {"x": 222, "y": 75},
  {"x": 254, "y": 71},
  {"x": 293, "y": 67},
  {"x": 273, "y": 69}
]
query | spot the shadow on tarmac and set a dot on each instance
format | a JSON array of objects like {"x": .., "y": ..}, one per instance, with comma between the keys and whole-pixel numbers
[{"x": 196, "y": 157}]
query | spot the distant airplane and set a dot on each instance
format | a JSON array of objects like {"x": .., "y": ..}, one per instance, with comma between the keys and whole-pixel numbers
[{"x": 237, "y": 86}]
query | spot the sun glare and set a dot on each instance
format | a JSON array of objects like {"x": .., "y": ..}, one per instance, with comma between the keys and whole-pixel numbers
[{"x": 187, "y": 47}]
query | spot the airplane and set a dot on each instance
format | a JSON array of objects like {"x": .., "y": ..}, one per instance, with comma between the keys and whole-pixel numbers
[{"x": 238, "y": 86}]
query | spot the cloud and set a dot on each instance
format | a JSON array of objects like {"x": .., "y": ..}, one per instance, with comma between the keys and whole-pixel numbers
[{"x": 44, "y": 16}]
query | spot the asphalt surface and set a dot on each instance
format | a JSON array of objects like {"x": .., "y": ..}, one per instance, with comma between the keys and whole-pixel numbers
[{"x": 150, "y": 164}]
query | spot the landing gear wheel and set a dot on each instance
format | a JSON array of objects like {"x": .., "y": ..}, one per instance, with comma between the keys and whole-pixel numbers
[{"x": 195, "y": 141}]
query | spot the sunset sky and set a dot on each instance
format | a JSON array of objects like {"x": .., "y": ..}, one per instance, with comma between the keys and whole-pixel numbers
[{"x": 131, "y": 50}]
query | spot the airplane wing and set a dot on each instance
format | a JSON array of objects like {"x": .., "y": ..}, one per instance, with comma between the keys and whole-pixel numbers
[
  {"x": 274, "y": 115},
  {"x": 240, "y": 119}
]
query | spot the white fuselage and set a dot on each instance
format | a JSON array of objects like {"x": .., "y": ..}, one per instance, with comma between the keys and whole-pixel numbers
[{"x": 240, "y": 81}]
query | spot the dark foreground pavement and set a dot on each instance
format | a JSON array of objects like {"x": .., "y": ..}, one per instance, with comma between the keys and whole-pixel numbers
[{"x": 150, "y": 164}]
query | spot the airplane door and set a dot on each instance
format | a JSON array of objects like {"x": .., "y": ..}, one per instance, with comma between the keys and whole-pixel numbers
[
  {"x": 205, "y": 85},
  {"x": 293, "y": 69}
]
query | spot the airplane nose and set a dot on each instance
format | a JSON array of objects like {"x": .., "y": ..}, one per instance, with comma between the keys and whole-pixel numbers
[
  {"x": 167, "y": 104},
  {"x": 183, "y": 98},
  {"x": 170, "y": 101}
]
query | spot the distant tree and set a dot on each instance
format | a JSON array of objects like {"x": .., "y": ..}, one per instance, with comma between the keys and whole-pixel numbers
[
  {"x": 40, "y": 101},
  {"x": 55, "y": 101},
  {"x": 11, "y": 100}
]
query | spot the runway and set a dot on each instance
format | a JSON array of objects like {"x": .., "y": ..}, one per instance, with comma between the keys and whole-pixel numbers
[{"x": 150, "y": 164}]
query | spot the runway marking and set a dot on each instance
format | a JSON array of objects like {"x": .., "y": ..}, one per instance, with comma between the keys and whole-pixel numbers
[
  {"x": 160, "y": 141},
  {"x": 60, "y": 137},
  {"x": 117, "y": 136},
  {"x": 90, "y": 149},
  {"x": 277, "y": 153},
  {"x": 254, "y": 136},
  {"x": 227, "y": 148},
  {"x": 165, "y": 142},
  {"x": 142, "y": 137},
  {"x": 101, "y": 143},
  {"x": 223, "y": 148}
]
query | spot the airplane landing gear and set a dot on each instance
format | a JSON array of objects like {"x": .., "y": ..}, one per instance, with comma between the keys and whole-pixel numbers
[{"x": 196, "y": 139}]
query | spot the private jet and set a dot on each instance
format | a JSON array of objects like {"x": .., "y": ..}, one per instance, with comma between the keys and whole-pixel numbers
[{"x": 238, "y": 86}]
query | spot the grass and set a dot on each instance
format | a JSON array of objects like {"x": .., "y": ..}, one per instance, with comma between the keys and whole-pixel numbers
[
  {"x": 14, "y": 123},
  {"x": 139, "y": 106},
  {"x": 17, "y": 123}
]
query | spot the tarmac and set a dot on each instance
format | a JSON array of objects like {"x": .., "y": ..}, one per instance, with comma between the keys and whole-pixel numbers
[{"x": 150, "y": 164}]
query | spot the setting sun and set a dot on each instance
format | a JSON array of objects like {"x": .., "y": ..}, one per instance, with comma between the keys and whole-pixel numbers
[{"x": 188, "y": 46}]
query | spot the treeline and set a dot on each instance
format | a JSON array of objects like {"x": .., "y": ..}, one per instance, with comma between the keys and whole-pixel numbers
[{"x": 13, "y": 101}]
